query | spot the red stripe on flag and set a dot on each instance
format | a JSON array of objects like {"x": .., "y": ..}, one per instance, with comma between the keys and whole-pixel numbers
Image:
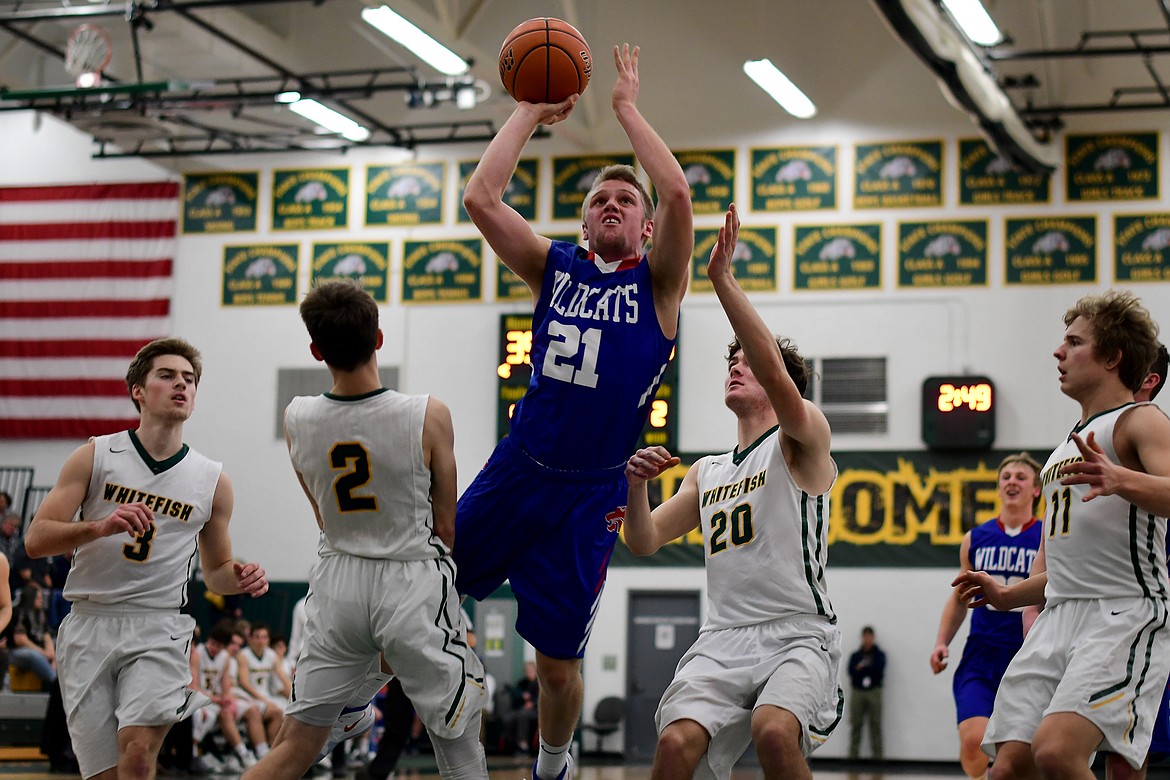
[
  {"x": 90, "y": 308},
  {"x": 125, "y": 191},
  {"x": 68, "y": 231},
  {"x": 69, "y": 348},
  {"x": 58, "y": 428},
  {"x": 87, "y": 269},
  {"x": 37, "y": 388}
]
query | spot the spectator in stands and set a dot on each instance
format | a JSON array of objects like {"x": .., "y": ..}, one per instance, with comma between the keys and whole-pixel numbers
[
  {"x": 33, "y": 648},
  {"x": 525, "y": 698},
  {"x": 5, "y": 616},
  {"x": 9, "y": 529}
]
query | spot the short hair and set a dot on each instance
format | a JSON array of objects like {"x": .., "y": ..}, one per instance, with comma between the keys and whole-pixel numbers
[
  {"x": 620, "y": 173},
  {"x": 1160, "y": 367},
  {"x": 5, "y": 495},
  {"x": 1120, "y": 324},
  {"x": 1021, "y": 457},
  {"x": 143, "y": 362},
  {"x": 867, "y": 630},
  {"x": 342, "y": 320},
  {"x": 223, "y": 631},
  {"x": 793, "y": 362},
  {"x": 260, "y": 625}
]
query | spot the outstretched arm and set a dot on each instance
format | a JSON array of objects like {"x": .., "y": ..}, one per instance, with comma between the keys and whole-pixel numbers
[
  {"x": 509, "y": 234},
  {"x": 674, "y": 236},
  {"x": 954, "y": 613},
  {"x": 222, "y": 574},
  {"x": 646, "y": 531}
]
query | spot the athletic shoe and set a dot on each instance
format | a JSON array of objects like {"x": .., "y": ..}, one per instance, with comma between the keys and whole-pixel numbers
[
  {"x": 248, "y": 760},
  {"x": 566, "y": 773},
  {"x": 353, "y": 722},
  {"x": 231, "y": 766},
  {"x": 206, "y": 765}
]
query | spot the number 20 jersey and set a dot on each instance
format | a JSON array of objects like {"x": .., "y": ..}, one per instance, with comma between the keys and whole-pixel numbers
[
  {"x": 1103, "y": 548},
  {"x": 598, "y": 355},
  {"x": 151, "y": 570}
]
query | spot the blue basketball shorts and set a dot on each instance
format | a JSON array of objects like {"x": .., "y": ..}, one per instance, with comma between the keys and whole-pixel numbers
[
  {"x": 977, "y": 677},
  {"x": 1160, "y": 743},
  {"x": 550, "y": 534}
]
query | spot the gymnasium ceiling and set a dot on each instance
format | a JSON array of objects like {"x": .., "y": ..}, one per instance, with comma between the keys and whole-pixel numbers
[{"x": 224, "y": 60}]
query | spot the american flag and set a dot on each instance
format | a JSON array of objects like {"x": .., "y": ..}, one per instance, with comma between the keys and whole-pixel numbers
[{"x": 85, "y": 281}]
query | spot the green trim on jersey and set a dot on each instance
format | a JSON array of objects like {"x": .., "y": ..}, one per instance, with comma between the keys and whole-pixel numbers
[
  {"x": 362, "y": 397},
  {"x": 737, "y": 457},
  {"x": 1081, "y": 426},
  {"x": 840, "y": 713},
  {"x": 809, "y": 576},
  {"x": 157, "y": 466}
]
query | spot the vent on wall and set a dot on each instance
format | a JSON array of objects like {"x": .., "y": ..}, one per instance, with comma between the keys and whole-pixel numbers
[{"x": 852, "y": 392}]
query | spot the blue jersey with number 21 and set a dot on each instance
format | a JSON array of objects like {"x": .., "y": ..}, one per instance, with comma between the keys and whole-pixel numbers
[{"x": 598, "y": 355}]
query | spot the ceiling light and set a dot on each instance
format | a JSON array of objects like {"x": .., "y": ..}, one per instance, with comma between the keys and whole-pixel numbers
[
  {"x": 330, "y": 119},
  {"x": 782, "y": 90},
  {"x": 288, "y": 97},
  {"x": 974, "y": 21},
  {"x": 427, "y": 48}
]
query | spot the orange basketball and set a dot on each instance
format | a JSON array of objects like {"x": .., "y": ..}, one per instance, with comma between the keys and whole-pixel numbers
[{"x": 545, "y": 60}]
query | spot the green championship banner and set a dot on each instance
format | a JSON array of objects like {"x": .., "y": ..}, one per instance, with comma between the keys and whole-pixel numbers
[
  {"x": 886, "y": 509},
  {"x": 310, "y": 199},
  {"x": 573, "y": 178},
  {"x": 260, "y": 274},
  {"x": 1116, "y": 166},
  {"x": 1050, "y": 250},
  {"x": 1141, "y": 247},
  {"x": 223, "y": 202},
  {"x": 986, "y": 179},
  {"x": 514, "y": 371},
  {"x": 753, "y": 261},
  {"x": 520, "y": 193},
  {"x": 900, "y": 174},
  {"x": 442, "y": 271},
  {"x": 711, "y": 174},
  {"x": 367, "y": 262},
  {"x": 407, "y": 194},
  {"x": 942, "y": 254},
  {"x": 794, "y": 178},
  {"x": 838, "y": 257},
  {"x": 510, "y": 287}
]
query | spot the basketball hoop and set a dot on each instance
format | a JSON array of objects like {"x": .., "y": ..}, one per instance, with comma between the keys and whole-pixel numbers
[{"x": 87, "y": 54}]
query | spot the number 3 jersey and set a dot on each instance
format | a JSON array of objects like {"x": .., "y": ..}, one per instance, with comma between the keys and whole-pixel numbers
[
  {"x": 765, "y": 540},
  {"x": 1105, "y": 547},
  {"x": 598, "y": 354},
  {"x": 361, "y": 458},
  {"x": 151, "y": 570}
]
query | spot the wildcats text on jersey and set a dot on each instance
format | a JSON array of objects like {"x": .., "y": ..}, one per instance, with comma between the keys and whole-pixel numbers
[
  {"x": 120, "y": 494},
  {"x": 578, "y": 303},
  {"x": 1014, "y": 560},
  {"x": 733, "y": 489}
]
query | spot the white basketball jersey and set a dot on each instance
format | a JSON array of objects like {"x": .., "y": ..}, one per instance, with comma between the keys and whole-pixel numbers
[
  {"x": 211, "y": 669},
  {"x": 362, "y": 461},
  {"x": 260, "y": 670},
  {"x": 765, "y": 540},
  {"x": 1103, "y": 548},
  {"x": 151, "y": 570}
]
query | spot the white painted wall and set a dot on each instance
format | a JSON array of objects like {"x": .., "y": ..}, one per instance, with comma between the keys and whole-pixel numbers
[{"x": 449, "y": 350}]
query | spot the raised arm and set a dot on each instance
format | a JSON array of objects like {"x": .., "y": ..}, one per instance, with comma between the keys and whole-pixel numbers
[
  {"x": 1142, "y": 442},
  {"x": 646, "y": 531},
  {"x": 53, "y": 532},
  {"x": 221, "y": 573},
  {"x": 954, "y": 613},
  {"x": 509, "y": 234},
  {"x": 673, "y": 233},
  {"x": 439, "y": 452}
]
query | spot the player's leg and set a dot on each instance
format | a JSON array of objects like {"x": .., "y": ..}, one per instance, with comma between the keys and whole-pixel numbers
[
  {"x": 971, "y": 755},
  {"x": 559, "y": 708},
  {"x": 1117, "y": 768},
  {"x": 680, "y": 746},
  {"x": 293, "y": 752},
  {"x": 138, "y": 748},
  {"x": 1064, "y": 744},
  {"x": 1013, "y": 761},
  {"x": 777, "y": 733},
  {"x": 461, "y": 757}
]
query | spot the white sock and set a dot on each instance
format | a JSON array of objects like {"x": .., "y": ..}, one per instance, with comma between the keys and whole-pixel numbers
[
  {"x": 261, "y": 749},
  {"x": 241, "y": 751},
  {"x": 551, "y": 759}
]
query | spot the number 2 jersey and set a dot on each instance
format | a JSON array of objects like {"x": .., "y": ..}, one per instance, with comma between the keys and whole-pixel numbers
[
  {"x": 361, "y": 458},
  {"x": 1103, "y": 548},
  {"x": 152, "y": 569},
  {"x": 765, "y": 540},
  {"x": 598, "y": 355}
]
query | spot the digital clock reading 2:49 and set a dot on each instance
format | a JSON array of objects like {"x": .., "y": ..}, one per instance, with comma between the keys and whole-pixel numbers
[{"x": 958, "y": 412}]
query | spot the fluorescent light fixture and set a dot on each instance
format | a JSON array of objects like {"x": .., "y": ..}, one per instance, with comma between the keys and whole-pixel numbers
[
  {"x": 782, "y": 90},
  {"x": 330, "y": 119},
  {"x": 288, "y": 97},
  {"x": 974, "y": 20},
  {"x": 427, "y": 48}
]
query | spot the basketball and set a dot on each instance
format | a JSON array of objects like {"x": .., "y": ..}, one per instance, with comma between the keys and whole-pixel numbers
[{"x": 545, "y": 60}]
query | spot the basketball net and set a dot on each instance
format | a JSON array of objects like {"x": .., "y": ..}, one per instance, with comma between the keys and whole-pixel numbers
[{"x": 87, "y": 54}]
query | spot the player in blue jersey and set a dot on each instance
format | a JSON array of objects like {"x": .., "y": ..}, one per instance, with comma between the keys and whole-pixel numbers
[
  {"x": 1005, "y": 547},
  {"x": 544, "y": 512}
]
